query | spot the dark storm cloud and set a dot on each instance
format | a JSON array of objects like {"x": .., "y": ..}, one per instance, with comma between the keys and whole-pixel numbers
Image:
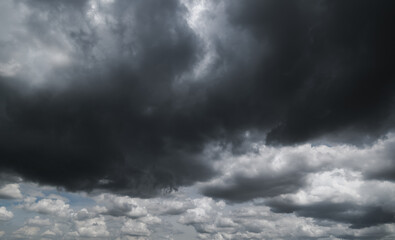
[
  {"x": 113, "y": 128},
  {"x": 117, "y": 118},
  {"x": 327, "y": 67},
  {"x": 356, "y": 215}
]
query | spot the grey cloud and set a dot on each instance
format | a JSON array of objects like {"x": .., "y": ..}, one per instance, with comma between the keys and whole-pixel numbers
[
  {"x": 267, "y": 172},
  {"x": 244, "y": 188},
  {"x": 122, "y": 206},
  {"x": 385, "y": 170},
  {"x": 92, "y": 228},
  {"x": 258, "y": 222},
  {"x": 311, "y": 69},
  {"x": 10, "y": 191},
  {"x": 99, "y": 96},
  {"x": 335, "y": 183},
  {"x": 109, "y": 123},
  {"x": 133, "y": 228},
  {"x": 26, "y": 232},
  {"x": 113, "y": 87},
  {"x": 214, "y": 219},
  {"x": 351, "y": 213},
  {"x": 37, "y": 221},
  {"x": 170, "y": 206},
  {"x": 272, "y": 171}
]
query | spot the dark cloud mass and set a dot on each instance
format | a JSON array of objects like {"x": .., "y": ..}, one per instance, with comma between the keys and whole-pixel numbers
[
  {"x": 115, "y": 124},
  {"x": 327, "y": 66},
  {"x": 244, "y": 189},
  {"x": 127, "y": 115},
  {"x": 357, "y": 216}
]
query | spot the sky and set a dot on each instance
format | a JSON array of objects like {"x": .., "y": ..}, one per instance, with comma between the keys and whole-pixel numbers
[{"x": 197, "y": 119}]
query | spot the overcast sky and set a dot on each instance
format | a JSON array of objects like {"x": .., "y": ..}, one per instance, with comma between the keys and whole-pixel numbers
[{"x": 197, "y": 119}]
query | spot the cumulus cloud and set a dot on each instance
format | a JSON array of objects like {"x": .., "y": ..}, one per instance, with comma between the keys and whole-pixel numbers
[
  {"x": 214, "y": 220},
  {"x": 202, "y": 216},
  {"x": 5, "y": 215},
  {"x": 84, "y": 214},
  {"x": 271, "y": 171},
  {"x": 149, "y": 219},
  {"x": 10, "y": 191},
  {"x": 92, "y": 228},
  {"x": 341, "y": 196},
  {"x": 122, "y": 206},
  {"x": 134, "y": 228},
  {"x": 256, "y": 221},
  {"x": 47, "y": 206},
  {"x": 334, "y": 203}
]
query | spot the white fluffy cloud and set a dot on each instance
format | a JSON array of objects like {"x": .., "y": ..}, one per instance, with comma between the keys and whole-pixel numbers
[
  {"x": 212, "y": 218},
  {"x": 149, "y": 219},
  {"x": 5, "y": 215},
  {"x": 92, "y": 228},
  {"x": 201, "y": 213},
  {"x": 47, "y": 206},
  {"x": 10, "y": 191},
  {"x": 340, "y": 185},
  {"x": 122, "y": 206},
  {"x": 134, "y": 228}
]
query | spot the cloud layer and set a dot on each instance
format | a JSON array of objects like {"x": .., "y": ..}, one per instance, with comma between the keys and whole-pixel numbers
[
  {"x": 116, "y": 85},
  {"x": 283, "y": 107}
]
